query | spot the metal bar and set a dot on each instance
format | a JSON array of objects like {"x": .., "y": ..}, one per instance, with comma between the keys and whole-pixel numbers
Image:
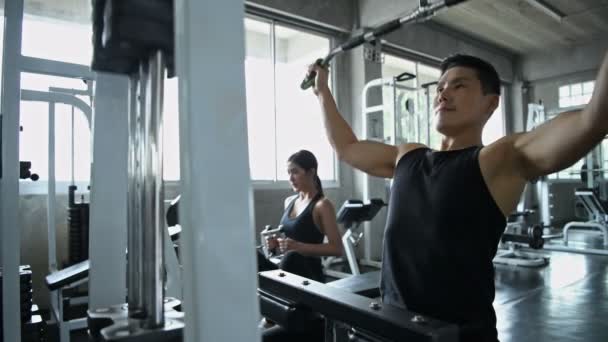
[
  {"x": 72, "y": 145},
  {"x": 9, "y": 182},
  {"x": 153, "y": 260},
  {"x": 548, "y": 9},
  {"x": 429, "y": 117},
  {"x": 206, "y": 81},
  {"x": 133, "y": 270},
  {"x": 418, "y": 15},
  {"x": 592, "y": 251},
  {"x": 52, "y": 229},
  {"x": 140, "y": 197},
  {"x": 108, "y": 232},
  {"x": 83, "y": 92},
  {"x": 70, "y": 100},
  {"x": 56, "y": 68},
  {"x": 360, "y": 312}
]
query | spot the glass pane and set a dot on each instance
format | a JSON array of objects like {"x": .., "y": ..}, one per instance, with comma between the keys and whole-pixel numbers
[
  {"x": 1, "y": 41},
  {"x": 605, "y": 157},
  {"x": 427, "y": 74},
  {"x": 259, "y": 87},
  {"x": 58, "y": 30},
  {"x": 33, "y": 144},
  {"x": 298, "y": 116},
  {"x": 63, "y": 143},
  {"x": 576, "y": 89},
  {"x": 394, "y": 66},
  {"x": 33, "y": 140},
  {"x": 564, "y": 91},
  {"x": 171, "y": 131},
  {"x": 586, "y": 98},
  {"x": 495, "y": 127},
  {"x": 588, "y": 87}
]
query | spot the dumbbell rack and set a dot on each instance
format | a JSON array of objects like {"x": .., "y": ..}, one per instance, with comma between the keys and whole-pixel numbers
[{"x": 32, "y": 325}]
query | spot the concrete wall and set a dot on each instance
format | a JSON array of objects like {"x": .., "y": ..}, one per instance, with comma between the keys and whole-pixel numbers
[
  {"x": 547, "y": 71},
  {"x": 431, "y": 39},
  {"x": 337, "y": 13}
]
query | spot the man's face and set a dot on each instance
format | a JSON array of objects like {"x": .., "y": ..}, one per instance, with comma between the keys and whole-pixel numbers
[{"x": 460, "y": 104}]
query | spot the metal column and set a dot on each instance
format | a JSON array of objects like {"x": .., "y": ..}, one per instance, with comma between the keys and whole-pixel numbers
[
  {"x": 9, "y": 183},
  {"x": 217, "y": 245},
  {"x": 153, "y": 206},
  {"x": 109, "y": 179}
]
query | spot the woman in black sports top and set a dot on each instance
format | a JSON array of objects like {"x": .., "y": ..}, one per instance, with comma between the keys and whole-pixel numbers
[{"x": 308, "y": 218}]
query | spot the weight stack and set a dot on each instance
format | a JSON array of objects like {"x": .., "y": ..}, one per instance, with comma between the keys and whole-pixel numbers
[
  {"x": 78, "y": 228},
  {"x": 32, "y": 325}
]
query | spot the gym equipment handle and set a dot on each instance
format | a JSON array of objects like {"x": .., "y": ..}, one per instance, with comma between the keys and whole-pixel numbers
[
  {"x": 450, "y": 3},
  {"x": 309, "y": 81},
  {"x": 406, "y": 76},
  {"x": 420, "y": 14}
]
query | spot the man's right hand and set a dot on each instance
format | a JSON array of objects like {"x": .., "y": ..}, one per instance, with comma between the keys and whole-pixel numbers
[{"x": 320, "y": 85}]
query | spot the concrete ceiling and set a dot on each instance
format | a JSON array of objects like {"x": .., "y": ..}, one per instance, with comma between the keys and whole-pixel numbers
[{"x": 520, "y": 27}]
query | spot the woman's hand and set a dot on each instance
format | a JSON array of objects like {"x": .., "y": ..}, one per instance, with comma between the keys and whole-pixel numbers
[
  {"x": 271, "y": 243},
  {"x": 287, "y": 244}
]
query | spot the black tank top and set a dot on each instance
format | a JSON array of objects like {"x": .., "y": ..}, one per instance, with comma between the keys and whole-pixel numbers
[
  {"x": 302, "y": 228},
  {"x": 443, "y": 229}
]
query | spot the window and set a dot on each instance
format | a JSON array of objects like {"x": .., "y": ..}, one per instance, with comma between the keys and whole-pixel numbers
[
  {"x": 495, "y": 127},
  {"x": 58, "y": 31},
  {"x": 414, "y": 115},
  {"x": 418, "y": 126},
  {"x": 34, "y": 118},
  {"x": 575, "y": 94},
  {"x": 281, "y": 118}
]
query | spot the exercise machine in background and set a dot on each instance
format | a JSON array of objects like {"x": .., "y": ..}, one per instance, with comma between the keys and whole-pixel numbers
[{"x": 352, "y": 214}]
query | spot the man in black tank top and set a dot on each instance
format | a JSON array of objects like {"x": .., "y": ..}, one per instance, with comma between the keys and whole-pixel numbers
[{"x": 447, "y": 207}]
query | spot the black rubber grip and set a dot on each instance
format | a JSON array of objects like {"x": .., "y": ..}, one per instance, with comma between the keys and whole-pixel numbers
[
  {"x": 309, "y": 80},
  {"x": 353, "y": 42},
  {"x": 406, "y": 76},
  {"x": 387, "y": 28},
  {"x": 453, "y": 2}
]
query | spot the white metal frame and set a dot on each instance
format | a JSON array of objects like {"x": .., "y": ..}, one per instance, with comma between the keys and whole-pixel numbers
[
  {"x": 65, "y": 327},
  {"x": 108, "y": 210},
  {"x": 213, "y": 147},
  {"x": 595, "y": 209},
  {"x": 53, "y": 98},
  {"x": 9, "y": 183}
]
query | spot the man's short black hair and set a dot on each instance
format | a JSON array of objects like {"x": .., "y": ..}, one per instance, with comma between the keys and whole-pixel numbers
[{"x": 490, "y": 82}]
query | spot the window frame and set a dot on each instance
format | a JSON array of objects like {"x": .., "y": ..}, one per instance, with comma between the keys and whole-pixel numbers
[
  {"x": 40, "y": 187},
  {"x": 283, "y": 184},
  {"x": 570, "y": 97}
]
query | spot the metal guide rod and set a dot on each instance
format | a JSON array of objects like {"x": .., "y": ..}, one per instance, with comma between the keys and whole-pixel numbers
[{"x": 153, "y": 224}]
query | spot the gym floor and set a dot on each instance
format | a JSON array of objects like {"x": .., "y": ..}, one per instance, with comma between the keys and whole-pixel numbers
[{"x": 566, "y": 300}]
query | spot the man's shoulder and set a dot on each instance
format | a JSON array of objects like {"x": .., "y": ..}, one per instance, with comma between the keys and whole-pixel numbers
[
  {"x": 501, "y": 153},
  {"x": 406, "y": 148}
]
